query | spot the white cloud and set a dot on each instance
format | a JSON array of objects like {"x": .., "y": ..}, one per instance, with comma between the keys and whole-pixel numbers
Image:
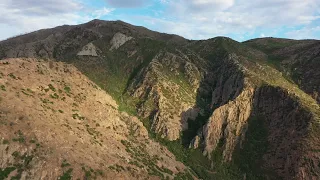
[
  {"x": 126, "y": 3},
  {"x": 101, "y": 12},
  {"x": 22, "y": 16},
  {"x": 305, "y": 33},
  {"x": 209, "y": 18},
  {"x": 193, "y": 19}
]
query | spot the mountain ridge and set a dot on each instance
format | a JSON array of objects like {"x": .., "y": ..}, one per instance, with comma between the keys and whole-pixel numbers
[{"x": 221, "y": 98}]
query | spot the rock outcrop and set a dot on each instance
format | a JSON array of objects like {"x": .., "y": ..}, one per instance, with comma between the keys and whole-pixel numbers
[
  {"x": 228, "y": 124},
  {"x": 118, "y": 40},
  {"x": 88, "y": 50},
  {"x": 167, "y": 93}
]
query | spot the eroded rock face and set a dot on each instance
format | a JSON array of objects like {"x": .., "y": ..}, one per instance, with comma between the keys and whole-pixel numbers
[
  {"x": 118, "y": 40},
  {"x": 287, "y": 125},
  {"x": 169, "y": 95},
  {"x": 88, "y": 50},
  {"x": 228, "y": 123}
]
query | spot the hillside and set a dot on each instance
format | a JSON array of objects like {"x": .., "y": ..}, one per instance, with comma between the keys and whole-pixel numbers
[
  {"x": 226, "y": 110},
  {"x": 298, "y": 60},
  {"x": 55, "y": 123}
]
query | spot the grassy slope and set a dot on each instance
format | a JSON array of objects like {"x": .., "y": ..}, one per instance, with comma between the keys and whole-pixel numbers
[{"x": 270, "y": 74}]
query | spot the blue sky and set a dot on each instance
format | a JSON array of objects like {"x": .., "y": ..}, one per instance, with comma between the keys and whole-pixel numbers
[{"x": 192, "y": 19}]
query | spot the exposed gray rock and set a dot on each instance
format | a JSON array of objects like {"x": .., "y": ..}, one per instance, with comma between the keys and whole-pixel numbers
[
  {"x": 227, "y": 122},
  {"x": 88, "y": 50},
  {"x": 118, "y": 40}
]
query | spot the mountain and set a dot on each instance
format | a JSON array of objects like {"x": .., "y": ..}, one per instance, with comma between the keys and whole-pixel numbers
[{"x": 225, "y": 109}]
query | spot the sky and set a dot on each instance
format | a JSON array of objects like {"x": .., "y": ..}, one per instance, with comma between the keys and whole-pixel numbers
[{"x": 192, "y": 19}]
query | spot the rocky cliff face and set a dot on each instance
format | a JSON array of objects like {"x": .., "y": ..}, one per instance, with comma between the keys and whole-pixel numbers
[
  {"x": 228, "y": 124},
  {"x": 167, "y": 87},
  {"x": 286, "y": 140}
]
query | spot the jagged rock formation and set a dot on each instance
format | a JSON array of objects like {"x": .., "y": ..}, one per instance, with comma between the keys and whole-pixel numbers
[
  {"x": 55, "y": 123},
  {"x": 251, "y": 108},
  {"x": 171, "y": 97},
  {"x": 228, "y": 122}
]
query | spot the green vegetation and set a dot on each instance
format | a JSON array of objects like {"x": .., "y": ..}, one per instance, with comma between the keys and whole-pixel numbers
[
  {"x": 90, "y": 173},
  {"x": 20, "y": 138},
  {"x": 87, "y": 172},
  {"x": 4, "y": 173},
  {"x": 95, "y": 134},
  {"x": 249, "y": 158},
  {"x": 5, "y": 141},
  {"x": 3, "y": 88},
  {"x": 52, "y": 88},
  {"x": 67, "y": 89},
  {"x": 183, "y": 176},
  {"x": 65, "y": 163},
  {"x": 27, "y": 92},
  {"x": 66, "y": 175},
  {"x": 22, "y": 163},
  {"x": 77, "y": 116},
  {"x": 16, "y": 154},
  {"x": 30, "y": 91},
  {"x": 117, "y": 70},
  {"x": 117, "y": 168},
  {"x": 272, "y": 44},
  {"x": 193, "y": 158},
  {"x": 141, "y": 159},
  {"x": 12, "y": 76},
  {"x": 46, "y": 101},
  {"x": 54, "y": 96}
]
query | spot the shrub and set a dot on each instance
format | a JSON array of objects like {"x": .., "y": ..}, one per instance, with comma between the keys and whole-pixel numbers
[
  {"x": 5, "y": 141},
  {"x": 3, "y": 88},
  {"x": 67, "y": 89},
  {"x": 52, "y": 88}
]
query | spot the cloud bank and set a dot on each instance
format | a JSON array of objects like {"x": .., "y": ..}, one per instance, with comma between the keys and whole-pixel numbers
[
  {"x": 126, "y": 3},
  {"x": 197, "y": 19},
  {"x": 193, "y": 19},
  {"x": 22, "y": 16}
]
